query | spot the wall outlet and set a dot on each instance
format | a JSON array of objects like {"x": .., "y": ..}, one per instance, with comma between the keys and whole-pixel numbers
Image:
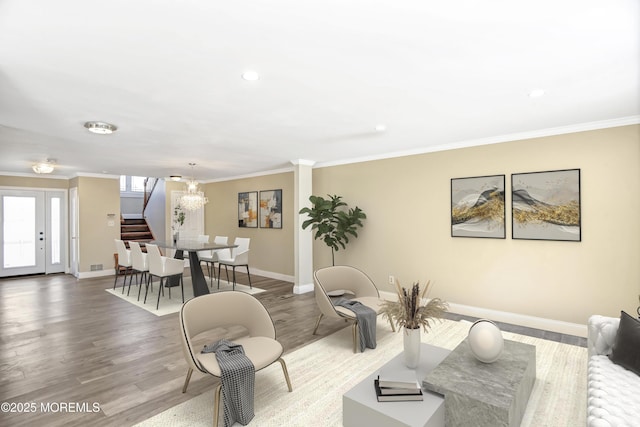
[{"x": 392, "y": 280}]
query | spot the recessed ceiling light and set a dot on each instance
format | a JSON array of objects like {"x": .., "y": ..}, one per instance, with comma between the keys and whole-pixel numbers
[
  {"x": 536, "y": 93},
  {"x": 101, "y": 128},
  {"x": 250, "y": 75},
  {"x": 381, "y": 128}
]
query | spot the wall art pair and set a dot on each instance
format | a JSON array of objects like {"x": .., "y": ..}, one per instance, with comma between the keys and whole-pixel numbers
[
  {"x": 544, "y": 206},
  {"x": 265, "y": 210}
]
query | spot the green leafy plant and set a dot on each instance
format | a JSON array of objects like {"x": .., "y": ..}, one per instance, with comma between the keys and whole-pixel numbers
[
  {"x": 410, "y": 311},
  {"x": 178, "y": 217},
  {"x": 332, "y": 221}
]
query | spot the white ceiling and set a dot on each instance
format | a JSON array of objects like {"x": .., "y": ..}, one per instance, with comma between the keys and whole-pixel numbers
[{"x": 167, "y": 73}]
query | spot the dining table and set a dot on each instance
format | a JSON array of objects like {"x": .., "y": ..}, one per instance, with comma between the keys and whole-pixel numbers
[{"x": 198, "y": 280}]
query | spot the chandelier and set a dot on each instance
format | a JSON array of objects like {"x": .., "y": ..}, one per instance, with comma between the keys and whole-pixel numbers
[{"x": 193, "y": 199}]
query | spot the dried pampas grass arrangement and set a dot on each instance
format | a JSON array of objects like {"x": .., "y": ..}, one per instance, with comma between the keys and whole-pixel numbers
[{"x": 409, "y": 311}]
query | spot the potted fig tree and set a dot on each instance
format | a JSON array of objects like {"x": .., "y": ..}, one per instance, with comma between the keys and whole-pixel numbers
[{"x": 332, "y": 221}]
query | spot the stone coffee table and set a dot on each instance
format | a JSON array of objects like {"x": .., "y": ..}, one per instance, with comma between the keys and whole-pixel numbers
[{"x": 485, "y": 394}]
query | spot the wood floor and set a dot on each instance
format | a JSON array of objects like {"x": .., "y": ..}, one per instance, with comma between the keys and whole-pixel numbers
[{"x": 66, "y": 341}]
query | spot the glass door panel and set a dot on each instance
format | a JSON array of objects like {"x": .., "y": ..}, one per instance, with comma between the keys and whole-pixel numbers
[
  {"x": 22, "y": 232},
  {"x": 56, "y": 231}
]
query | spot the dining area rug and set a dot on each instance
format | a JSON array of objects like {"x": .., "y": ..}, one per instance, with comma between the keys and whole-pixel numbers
[
  {"x": 173, "y": 304},
  {"x": 558, "y": 397}
]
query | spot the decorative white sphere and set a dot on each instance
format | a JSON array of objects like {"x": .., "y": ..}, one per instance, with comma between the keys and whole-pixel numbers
[{"x": 485, "y": 341}]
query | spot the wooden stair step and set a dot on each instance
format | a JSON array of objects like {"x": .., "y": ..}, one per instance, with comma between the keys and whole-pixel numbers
[
  {"x": 134, "y": 235},
  {"x": 135, "y": 227}
]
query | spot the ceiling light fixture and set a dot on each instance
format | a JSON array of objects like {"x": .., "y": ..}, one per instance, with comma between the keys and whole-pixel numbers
[
  {"x": 101, "y": 128},
  {"x": 381, "y": 128},
  {"x": 43, "y": 167},
  {"x": 251, "y": 75},
  {"x": 175, "y": 177},
  {"x": 193, "y": 199}
]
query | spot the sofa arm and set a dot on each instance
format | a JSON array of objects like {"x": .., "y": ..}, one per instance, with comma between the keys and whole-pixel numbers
[{"x": 601, "y": 334}]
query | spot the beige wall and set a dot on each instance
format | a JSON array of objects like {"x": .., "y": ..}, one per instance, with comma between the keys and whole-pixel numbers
[
  {"x": 407, "y": 231},
  {"x": 33, "y": 182},
  {"x": 271, "y": 249},
  {"x": 97, "y": 198}
]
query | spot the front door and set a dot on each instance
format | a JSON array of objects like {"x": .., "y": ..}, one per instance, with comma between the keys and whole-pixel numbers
[{"x": 32, "y": 232}]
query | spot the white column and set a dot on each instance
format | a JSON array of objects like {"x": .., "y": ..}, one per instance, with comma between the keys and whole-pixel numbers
[{"x": 303, "y": 239}]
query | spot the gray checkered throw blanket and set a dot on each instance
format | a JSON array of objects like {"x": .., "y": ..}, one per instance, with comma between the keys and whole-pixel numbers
[
  {"x": 366, "y": 321},
  {"x": 238, "y": 379}
]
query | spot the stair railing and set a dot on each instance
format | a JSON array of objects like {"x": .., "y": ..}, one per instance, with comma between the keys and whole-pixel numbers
[{"x": 149, "y": 185}]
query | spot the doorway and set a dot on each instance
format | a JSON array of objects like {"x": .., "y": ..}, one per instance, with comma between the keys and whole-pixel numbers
[{"x": 32, "y": 232}]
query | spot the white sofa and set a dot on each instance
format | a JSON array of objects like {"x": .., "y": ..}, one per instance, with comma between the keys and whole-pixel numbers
[{"x": 613, "y": 392}]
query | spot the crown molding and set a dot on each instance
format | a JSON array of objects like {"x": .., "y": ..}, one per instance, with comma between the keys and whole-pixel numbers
[
  {"x": 251, "y": 175},
  {"x": 303, "y": 162},
  {"x": 560, "y": 130},
  {"x": 95, "y": 175},
  {"x": 34, "y": 175}
]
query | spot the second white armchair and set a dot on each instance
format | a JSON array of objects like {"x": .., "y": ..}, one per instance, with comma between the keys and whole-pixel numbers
[{"x": 236, "y": 257}]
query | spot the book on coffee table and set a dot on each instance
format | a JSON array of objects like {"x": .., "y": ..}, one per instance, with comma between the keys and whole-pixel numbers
[
  {"x": 399, "y": 381},
  {"x": 390, "y": 394}
]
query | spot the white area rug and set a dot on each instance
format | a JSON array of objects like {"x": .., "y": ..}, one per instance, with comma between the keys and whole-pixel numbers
[
  {"x": 323, "y": 371},
  {"x": 173, "y": 305}
]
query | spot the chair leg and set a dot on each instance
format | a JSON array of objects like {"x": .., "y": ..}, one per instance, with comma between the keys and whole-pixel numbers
[
  {"x": 219, "y": 276},
  {"x": 146, "y": 290},
  {"x": 158, "y": 303},
  {"x": 140, "y": 287},
  {"x": 226, "y": 270},
  {"x": 355, "y": 337},
  {"x": 286, "y": 373},
  {"x": 182, "y": 288},
  {"x": 233, "y": 269},
  {"x": 186, "y": 380},
  {"x": 129, "y": 289},
  {"x": 249, "y": 274},
  {"x": 209, "y": 268},
  {"x": 115, "y": 281},
  {"x": 317, "y": 324},
  {"x": 124, "y": 282},
  {"x": 216, "y": 405}
]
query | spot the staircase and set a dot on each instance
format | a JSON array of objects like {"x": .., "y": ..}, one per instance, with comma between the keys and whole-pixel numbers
[{"x": 135, "y": 229}]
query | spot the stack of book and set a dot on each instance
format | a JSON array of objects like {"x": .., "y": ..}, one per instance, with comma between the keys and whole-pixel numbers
[{"x": 396, "y": 391}]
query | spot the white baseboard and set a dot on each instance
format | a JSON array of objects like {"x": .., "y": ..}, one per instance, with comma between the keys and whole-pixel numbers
[
  {"x": 272, "y": 275},
  {"x": 512, "y": 318},
  {"x": 99, "y": 273},
  {"x": 303, "y": 288},
  {"x": 553, "y": 325},
  {"x": 297, "y": 289}
]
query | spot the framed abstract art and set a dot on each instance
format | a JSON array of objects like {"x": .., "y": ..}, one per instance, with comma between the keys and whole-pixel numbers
[
  {"x": 271, "y": 209},
  {"x": 477, "y": 207},
  {"x": 546, "y": 205},
  {"x": 248, "y": 209}
]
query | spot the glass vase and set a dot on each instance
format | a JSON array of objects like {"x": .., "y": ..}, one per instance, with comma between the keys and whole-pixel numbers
[{"x": 411, "y": 342}]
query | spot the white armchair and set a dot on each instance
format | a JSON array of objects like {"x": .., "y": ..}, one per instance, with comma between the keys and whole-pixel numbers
[
  {"x": 210, "y": 258},
  {"x": 124, "y": 263},
  {"x": 163, "y": 267},
  {"x": 237, "y": 257},
  {"x": 139, "y": 265}
]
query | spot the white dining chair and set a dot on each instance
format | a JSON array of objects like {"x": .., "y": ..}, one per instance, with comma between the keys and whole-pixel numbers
[
  {"x": 139, "y": 265},
  {"x": 164, "y": 268},
  {"x": 236, "y": 257},
  {"x": 124, "y": 263},
  {"x": 212, "y": 257}
]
